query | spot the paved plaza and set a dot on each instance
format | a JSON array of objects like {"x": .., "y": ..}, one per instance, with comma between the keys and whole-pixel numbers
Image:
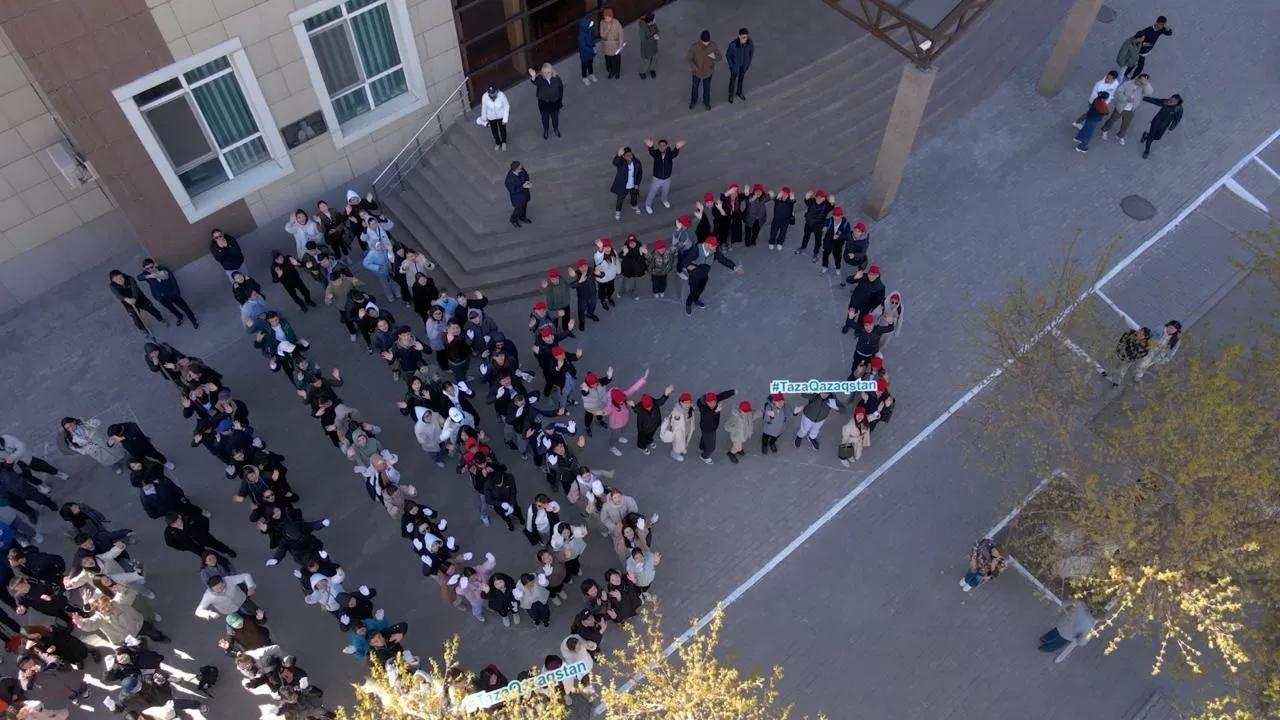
[{"x": 864, "y": 614}]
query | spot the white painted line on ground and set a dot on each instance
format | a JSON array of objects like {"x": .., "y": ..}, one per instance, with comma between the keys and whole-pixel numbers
[
  {"x": 844, "y": 502},
  {"x": 1081, "y": 352},
  {"x": 1244, "y": 194},
  {"x": 1266, "y": 167},
  {"x": 1133, "y": 324},
  {"x": 1013, "y": 563}
]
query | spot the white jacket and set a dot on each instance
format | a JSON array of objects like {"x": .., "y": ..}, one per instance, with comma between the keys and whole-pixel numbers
[
  {"x": 302, "y": 234},
  {"x": 496, "y": 108},
  {"x": 1106, "y": 87},
  {"x": 15, "y": 448}
]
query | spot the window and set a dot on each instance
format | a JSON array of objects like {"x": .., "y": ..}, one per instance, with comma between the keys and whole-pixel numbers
[
  {"x": 363, "y": 63},
  {"x": 206, "y": 126}
]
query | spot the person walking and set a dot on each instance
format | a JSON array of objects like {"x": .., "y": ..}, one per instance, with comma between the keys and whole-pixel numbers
[
  {"x": 226, "y": 251},
  {"x": 626, "y": 180},
  {"x": 135, "y": 302},
  {"x": 663, "y": 155},
  {"x": 1125, "y": 102},
  {"x": 738, "y": 55},
  {"x": 84, "y": 437},
  {"x": 1096, "y": 111},
  {"x": 986, "y": 561},
  {"x": 1129, "y": 54},
  {"x": 1108, "y": 84},
  {"x": 1150, "y": 35},
  {"x": 518, "y": 185},
  {"x": 587, "y": 50},
  {"x": 1132, "y": 347},
  {"x": 702, "y": 58},
  {"x": 813, "y": 414},
  {"x": 697, "y": 265},
  {"x": 1075, "y": 626},
  {"x": 612, "y": 44},
  {"x": 164, "y": 288},
  {"x": 740, "y": 426},
  {"x": 17, "y": 456},
  {"x": 784, "y": 209},
  {"x": 1165, "y": 121},
  {"x": 549, "y": 91},
  {"x": 494, "y": 112},
  {"x": 677, "y": 429},
  {"x": 774, "y": 419},
  {"x": 709, "y": 407},
  {"x": 818, "y": 205},
  {"x": 649, "y": 46}
]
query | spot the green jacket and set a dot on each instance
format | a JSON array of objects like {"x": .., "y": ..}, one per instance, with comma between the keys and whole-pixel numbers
[
  {"x": 557, "y": 294},
  {"x": 1129, "y": 52}
]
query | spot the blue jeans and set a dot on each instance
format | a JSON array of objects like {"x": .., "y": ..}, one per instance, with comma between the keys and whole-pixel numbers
[
  {"x": 973, "y": 579},
  {"x": 483, "y": 504},
  {"x": 1086, "y": 132},
  {"x": 439, "y": 456},
  {"x": 1053, "y": 641},
  {"x": 460, "y": 370},
  {"x": 706, "y": 91}
]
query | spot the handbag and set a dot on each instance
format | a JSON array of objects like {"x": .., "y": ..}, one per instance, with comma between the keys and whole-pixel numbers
[
  {"x": 666, "y": 433},
  {"x": 845, "y": 452}
]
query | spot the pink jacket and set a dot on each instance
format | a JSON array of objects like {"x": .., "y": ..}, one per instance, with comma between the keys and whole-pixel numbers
[
  {"x": 617, "y": 416},
  {"x": 477, "y": 582}
]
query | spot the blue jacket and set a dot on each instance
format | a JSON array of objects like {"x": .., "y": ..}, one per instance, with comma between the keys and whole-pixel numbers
[
  {"x": 162, "y": 289},
  {"x": 586, "y": 40},
  {"x": 516, "y": 189},
  {"x": 739, "y": 56},
  {"x": 377, "y": 262}
]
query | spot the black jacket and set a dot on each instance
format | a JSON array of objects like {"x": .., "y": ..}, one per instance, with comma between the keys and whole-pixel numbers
[
  {"x": 229, "y": 256},
  {"x": 130, "y": 290},
  {"x": 620, "y": 165},
  {"x": 515, "y": 188},
  {"x": 816, "y": 213},
  {"x": 855, "y": 250},
  {"x": 166, "y": 497},
  {"x": 195, "y": 528},
  {"x": 1166, "y": 118},
  {"x": 783, "y": 211},
  {"x": 550, "y": 94},
  {"x": 501, "y": 488},
  {"x": 708, "y": 418},
  {"x": 648, "y": 421},
  {"x": 836, "y": 234},
  {"x": 662, "y": 162},
  {"x": 163, "y": 283},
  {"x": 866, "y": 295}
]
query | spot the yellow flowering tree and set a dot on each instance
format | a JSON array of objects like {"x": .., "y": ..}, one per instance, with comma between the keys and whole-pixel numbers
[{"x": 690, "y": 684}]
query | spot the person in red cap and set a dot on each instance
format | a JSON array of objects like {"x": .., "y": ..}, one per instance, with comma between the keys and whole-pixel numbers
[
  {"x": 677, "y": 429},
  {"x": 561, "y": 377},
  {"x": 617, "y": 412},
  {"x": 732, "y": 207},
  {"x": 740, "y": 426},
  {"x": 539, "y": 319},
  {"x": 663, "y": 155},
  {"x": 626, "y": 180},
  {"x": 544, "y": 342},
  {"x": 702, "y": 227},
  {"x": 818, "y": 206},
  {"x": 555, "y": 293},
  {"x": 784, "y": 216},
  {"x": 661, "y": 262},
  {"x": 697, "y": 266},
  {"x": 872, "y": 369},
  {"x": 649, "y": 418},
  {"x": 868, "y": 338},
  {"x": 595, "y": 397},
  {"x": 774, "y": 417},
  {"x": 855, "y": 436},
  {"x": 709, "y": 421},
  {"x": 755, "y": 214},
  {"x": 867, "y": 293},
  {"x": 878, "y": 404},
  {"x": 892, "y": 315},
  {"x": 583, "y": 282},
  {"x": 634, "y": 266},
  {"x": 835, "y": 234},
  {"x": 855, "y": 249}
]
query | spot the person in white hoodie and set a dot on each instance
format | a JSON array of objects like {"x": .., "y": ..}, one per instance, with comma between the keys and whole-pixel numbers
[
  {"x": 573, "y": 650},
  {"x": 494, "y": 111},
  {"x": 427, "y": 430},
  {"x": 304, "y": 230},
  {"x": 456, "y": 420},
  {"x": 325, "y": 591},
  {"x": 1108, "y": 85}
]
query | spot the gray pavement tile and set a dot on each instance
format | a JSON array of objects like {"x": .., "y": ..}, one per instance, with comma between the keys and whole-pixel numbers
[
  {"x": 1234, "y": 212},
  {"x": 1257, "y": 181}
]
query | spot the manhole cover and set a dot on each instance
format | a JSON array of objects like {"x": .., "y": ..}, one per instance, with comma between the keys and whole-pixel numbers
[
  {"x": 1137, "y": 207},
  {"x": 1106, "y": 14}
]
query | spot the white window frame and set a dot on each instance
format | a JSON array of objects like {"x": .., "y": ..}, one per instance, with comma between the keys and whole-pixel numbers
[
  {"x": 414, "y": 99},
  {"x": 238, "y": 186}
]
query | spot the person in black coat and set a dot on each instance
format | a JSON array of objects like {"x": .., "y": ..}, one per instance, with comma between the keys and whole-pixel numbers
[
  {"x": 709, "y": 421},
  {"x": 295, "y": 536},
  {"x": 855, "y": 249},
  {"x": 1165, "y": 121},
  {"x": 45, "y": 598},
  {"x": 818, "y": 205},
  {"x": 550, "y": 94},
  {"x": 738, "y": 55},
  {"x": 226, "y": 251},
  {"x": 500, "y": 491},
  {"x": 518, "y": 185},
  {"x": 649, "y": 418},
  {"x": 190, "y": 533},
  {"x": 135, "y": 442},
  {"x": 58, "y": 642},
  {"x": 41, "y": 566},
  {"x": 868, "y": 290},
  {"x": 784, "y": 216},
  {"x": 868, "y": 336},
  {"x": 135, "y": 302},
  {"x": 628, "y": 171},
  {"x": 835, "y": 235},
  {"x": 164, "y": 288},
  {"x": 284, "y": 270}
]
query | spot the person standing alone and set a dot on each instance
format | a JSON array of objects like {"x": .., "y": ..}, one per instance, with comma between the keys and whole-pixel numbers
[
  {"x": 739, "y": 57},
  {"x": 164, "y": 288},
  {"x": 550, "y": 94},
  {"x": 702, "y": 56},
  {"x": 518, "y": 188},
  {"x": 611, "y": 39},
  {"x": 649, "y": 46},
  {"x": 495, "y": 110},
  {"x": 626, "y": 180},
  {"x": 662, "y": 155}
]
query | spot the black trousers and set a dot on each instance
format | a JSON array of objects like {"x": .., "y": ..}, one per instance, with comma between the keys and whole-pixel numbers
[
  {"x": 144, "y": 448},
  {"x": 178, "y": 306},
  {"x": 141, "y": 307},
  {"x": 753, "y": 234},
  {"x": 1136, "y": 70},
  {"x": 586, "y": 309},
  {"x": 735, "y": 82},
  {"x": 613, "y": 65},
  {"x": 36, "y": 464},
  {"x": 589, "y": 67},
  {"x": 588, "y": 418},
  {"x": 707, "y": 443},
  {"x": 499, "y": 130},
  {"x": 644, "y": 439},
  {"x": 816, "y": 234},
  {"x": 659, "y": 283},
  {"x": 338, "y": 243},
  {"x": 697, "y": 284},
  {"x": 348, "y": 322},
  {"x": 520, "y": 213},
  {"x": 768, "y": 442},
  {"x": 605, "y": 288},
  {"x": 298, "y": 293},
  {"x": 633, "y": 193},
  {"x": 831, "y": 253},
  {"x": 550, "y": 121},
  {"x": 778, "y": 233}
]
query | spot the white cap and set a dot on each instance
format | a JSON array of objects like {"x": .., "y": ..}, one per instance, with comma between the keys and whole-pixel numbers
[
  {"x": 285, "y": 347},
  {"x": 352, "y": 195},
  {"x": 455, "y": 414}
]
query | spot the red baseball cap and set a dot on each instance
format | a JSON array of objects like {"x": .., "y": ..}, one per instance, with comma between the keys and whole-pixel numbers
[
  {"x": 660, "y": 245},
  {"x": 617, "y": 396},
  {"x": 859, "y": 411},
  {"x": 733, "y": 187},
  {"x": 709, "y": 397},
  {"x": 686, "y": 397},
  {"x": 592, "y": 380},
  {"x": 820, "y": 194},
  {"x": 646, "y": 402},
  {"x": 606, "y": 242},
  {"x": 631, "y": 236},
  {"x": 786, "y": 189},
  {"x": 838, "y": 212},
  {"x": 582, "y": 262},
  {"x": 873, "y": 270},
  {"x": 684, "y": 221},
  {"x": 540, "y": 306},
  {"x": 860, "y": 227},
  {"x": 553, "y": 273},
  {"x": 546, "y": 332},
  {"x": 711, "y": 241},
  {"x": 757, "y": 188},
  {"x": 557, "y": 352},
  {"x": 744, "y": 406},
  {"x": 882, "y": 385},
  {"x": 777, "y": 397},
  {"x": 877, "y": 362},
  {"x": 868, "y": 320},
  {"x": 708, "y": 197}
]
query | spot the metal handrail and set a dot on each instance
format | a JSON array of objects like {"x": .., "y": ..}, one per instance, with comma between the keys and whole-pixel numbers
[{"x": 401, "y": 163}]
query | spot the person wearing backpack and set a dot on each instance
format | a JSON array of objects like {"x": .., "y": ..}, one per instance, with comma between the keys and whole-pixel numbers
[{"x": 1132, "y": 347}]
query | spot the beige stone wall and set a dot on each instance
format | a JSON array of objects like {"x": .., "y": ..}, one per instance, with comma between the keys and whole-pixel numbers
[
  {"x": 191, "y": 26},
  {"x": 36, "y": 203}
]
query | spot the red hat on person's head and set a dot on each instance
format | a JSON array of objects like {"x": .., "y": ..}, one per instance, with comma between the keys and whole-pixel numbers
[
  {"x": 470, "y": 442},
  {"x": 711, "y": 241},
  {"x": 684, "y": 221},
  {"x": 744, "y": 406},
  {"x": 757, "y": 188},
  {"x": 708, "y": 197},
  {"x": 877, "y": 362},
  {"x": 820, "y": 194},
  {"x": 540, "y": 305},
  {"x": 733, "y": 187},
  {"x": 859, "y": 411},
  {"x": 860, "y": 227},
  {"x": 873, "y": 270},
  {"x": 592, "y": 380},
  {"x": 882, "y": 385},
  {"x": 868, "y": 320},
  {"x": 631, "y": 236},
  {"x": 557, "y": 352},
  {"x": 482, "y": 450},
  {"x": 838, "y": 212},
  {"x": 709, "y": 397},
  {"x": 468, "y": 457},
  {"x": 582, "y": 262},
  {"x": 777, "y": 397},
  {"x": 660, "y": 245},
  {"x": 686, "y": 397},
  {"x": 553, "y": 273},
  {"x": 646, "y": 402},
  {"x": 546, "y": 332},
  {"x": 895, "y": 297},
  {"x": 786, "y": 189},
  {"x": 606, "y": 242},
  {"x": 617, "y": 396}
]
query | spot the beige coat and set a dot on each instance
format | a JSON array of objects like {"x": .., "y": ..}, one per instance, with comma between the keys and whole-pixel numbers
[
  {"x": 740, "y": 426},
  {"x": 681, "y": 428},
  {"x": 858, "y": 438},
  {"x": 115, "y": 625},
  {"x": 611, "y": 35}
]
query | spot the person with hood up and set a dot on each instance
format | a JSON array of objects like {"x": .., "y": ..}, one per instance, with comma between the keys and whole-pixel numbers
[
  {"x": 634, "y": 267},
  {"x": 499, "y": 593},
  {"x": 649, "y": 46},
  {"x": 428, "y": 428},
  {"x": 740, "y": 425},
  {"x": 818, "y": 206},
  {"x": 378, "y": 262},
  {"x": 661, "y": 262},
  {"x": 855, "y": 436},
  {"x": 813, "y": 414},
  {"x": 702, "y": 58},
  {"x": 325, "y": 591},
  {"x": 677, "y": 428},
  {"x": 303, "y": 229},
  {"x": 586, "y": 52},
  {"x": 709, "y": 407},
  {"x": 891, "y": 317},
  {"x": 356, "y": 210},
  {"x": 549, "y": 91},
  {"x": 649, "y": 418},
  {"x": 836, "y": 235},
  {"x": 774, "y": 417},
  {"x": 628, "y": 172},
  {"x": 1165, "y": 121},
  {"x": 697, "y": 265},
  {"x": 226, "y": 251},
  {"x": 471, "y": 582},
  {"x": 495, "y": 111},
  {"x": 617, "y": 412},
  {"x": 456, "y": 419}
]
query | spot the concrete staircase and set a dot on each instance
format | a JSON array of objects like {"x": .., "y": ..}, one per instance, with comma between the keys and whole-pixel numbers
[{"x": 819, "y": 126}]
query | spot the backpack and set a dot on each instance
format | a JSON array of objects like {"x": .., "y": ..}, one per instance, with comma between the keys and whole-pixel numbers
[{"x": 206, "y": 678}]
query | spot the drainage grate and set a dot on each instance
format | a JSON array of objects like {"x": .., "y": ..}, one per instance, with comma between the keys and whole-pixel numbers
[
  {"x": 1138, "y": 207},
  {"x": 1106, "y": 14}
]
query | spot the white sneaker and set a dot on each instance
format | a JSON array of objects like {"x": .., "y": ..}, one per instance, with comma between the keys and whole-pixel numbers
[
  {"x": 497, "y": 147},
  {"x": 169, "y": 465},
  {"x": 37, "y": 539},
  {"x": 623, "y": 440},
  {"x": 231, "y": 471},
  {"x": 556, "y": 601},
  {"x": 1104, "y": 134},
  {"x": 158, "y": 617},
  {"x": 506, "y": 622},
  {"x": 1077, "y": 125},
  {"x": 617, "y": 215},
  {"x": 515, "y": 619},
  {"x": 568, "y": 700},
  {"x": 666, "y": 204},
  {"x": 594, "y": 79},
  {"x": 349, "y": 650},
  {"x": 708, "y": 461},
  {"x": 646, "y": 451},
  {"x": 965, "y": 586},
  {"x": 379, "y": 613},
  {"x": 1121, "y": 140},
  {"x": 615, "y": 451},
  {"x": 352, "y": 337},
  {"x": 648, "y": 209},
  {"x": 62, "y": 476},
  {"x": 586, "y": 81},
  {"x": 677, "y": 457},
  {"x": 44, "y": 488},
  {"x": 637, "y": 209}
]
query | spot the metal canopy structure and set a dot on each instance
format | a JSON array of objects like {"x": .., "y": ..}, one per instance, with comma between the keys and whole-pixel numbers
[{"x": 919, "y": 29}]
